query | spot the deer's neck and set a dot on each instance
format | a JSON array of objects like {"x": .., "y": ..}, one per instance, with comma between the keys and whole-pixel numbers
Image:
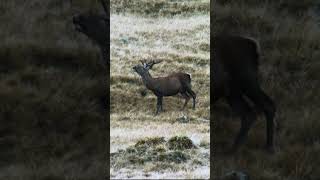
[{"x": 147, "y": 80}]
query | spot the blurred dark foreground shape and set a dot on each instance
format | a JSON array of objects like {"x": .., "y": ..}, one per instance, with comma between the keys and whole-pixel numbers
[
  {"x": 235, "y": 72},
  {"x": 53, "y": 95},
  {"x": 96, "y": 28}
]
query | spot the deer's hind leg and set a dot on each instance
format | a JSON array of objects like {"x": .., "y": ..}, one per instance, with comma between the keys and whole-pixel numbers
[
  {"x": 266, "y": 104},
  {"x": 240, "y": 106},
  {"x": 192, "y": 94},
  {"x": 187, "y": 98}
]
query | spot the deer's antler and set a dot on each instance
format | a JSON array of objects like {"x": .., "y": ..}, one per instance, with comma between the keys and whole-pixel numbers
[{"x": 153, "y": 62}]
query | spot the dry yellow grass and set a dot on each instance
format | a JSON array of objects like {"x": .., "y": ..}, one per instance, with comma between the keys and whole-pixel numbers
[{"x": 182, "y": 42}]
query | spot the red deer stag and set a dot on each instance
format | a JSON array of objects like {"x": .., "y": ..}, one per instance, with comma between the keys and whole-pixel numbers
[
  {"x": 235, "y": 76},
  {"x": 170, "y": 85}
]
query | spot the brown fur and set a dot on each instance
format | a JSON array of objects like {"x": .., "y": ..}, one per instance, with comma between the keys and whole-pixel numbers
[{"x": 170, "y": 85}]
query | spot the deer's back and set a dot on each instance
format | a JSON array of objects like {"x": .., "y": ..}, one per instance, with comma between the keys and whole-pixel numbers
[
  {"x": 171, "y": 84},
  {"x": 236, "y": 51},
  {"x": 182, "y": 77},
  {"x": 235, "y": 63}
]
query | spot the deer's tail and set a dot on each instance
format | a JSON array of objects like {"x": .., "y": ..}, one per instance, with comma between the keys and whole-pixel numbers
[
  {"x": 256, "y": 49},
  {"x": 186, "y": 80}
]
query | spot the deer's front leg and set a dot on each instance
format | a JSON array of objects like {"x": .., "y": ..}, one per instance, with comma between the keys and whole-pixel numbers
[{"x": 159, "y": 104}]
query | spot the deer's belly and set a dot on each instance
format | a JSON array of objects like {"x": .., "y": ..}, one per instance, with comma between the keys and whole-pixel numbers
[
  {"x": 170, "y": 94},
  {"x": 166, "y": 93},
  {"x": 170, "y": 88}
]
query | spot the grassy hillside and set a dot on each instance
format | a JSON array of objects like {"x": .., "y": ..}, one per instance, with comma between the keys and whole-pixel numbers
[
  {"x": 51, "y": 109},
  {"x": 176, "y": 32},
  {"x": 289, "y": 35}
]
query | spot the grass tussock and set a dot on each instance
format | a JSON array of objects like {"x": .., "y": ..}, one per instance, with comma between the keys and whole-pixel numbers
[
  {"x": 180, "y": 143},
  {"x": 289, "y": 58},
  {"x": 156, "y": 155}
]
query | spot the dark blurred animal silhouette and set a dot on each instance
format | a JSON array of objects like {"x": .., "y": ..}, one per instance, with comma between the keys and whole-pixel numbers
[
  {"x": 96, "y": 28},
  {"x": 235, "y": 78}
]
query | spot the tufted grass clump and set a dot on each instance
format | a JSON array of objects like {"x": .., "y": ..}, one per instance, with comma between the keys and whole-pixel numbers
[
  {"x": 154, "y": 150},
  {"x": 150, "y": 141},
  {"x": 180, "y": 143}
]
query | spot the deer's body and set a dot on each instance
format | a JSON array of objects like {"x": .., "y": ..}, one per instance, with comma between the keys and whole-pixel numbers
[
  {"x": 235, "y": 78},
  {"x": 170, "y": 85}
]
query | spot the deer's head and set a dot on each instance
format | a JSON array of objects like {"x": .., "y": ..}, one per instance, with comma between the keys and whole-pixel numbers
[
  {"x": 95, "y": 26},
  {"x": 145, "y": 66}
]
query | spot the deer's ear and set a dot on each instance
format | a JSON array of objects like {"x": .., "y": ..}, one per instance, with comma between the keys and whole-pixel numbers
[{"x": 144, "y": 64}]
